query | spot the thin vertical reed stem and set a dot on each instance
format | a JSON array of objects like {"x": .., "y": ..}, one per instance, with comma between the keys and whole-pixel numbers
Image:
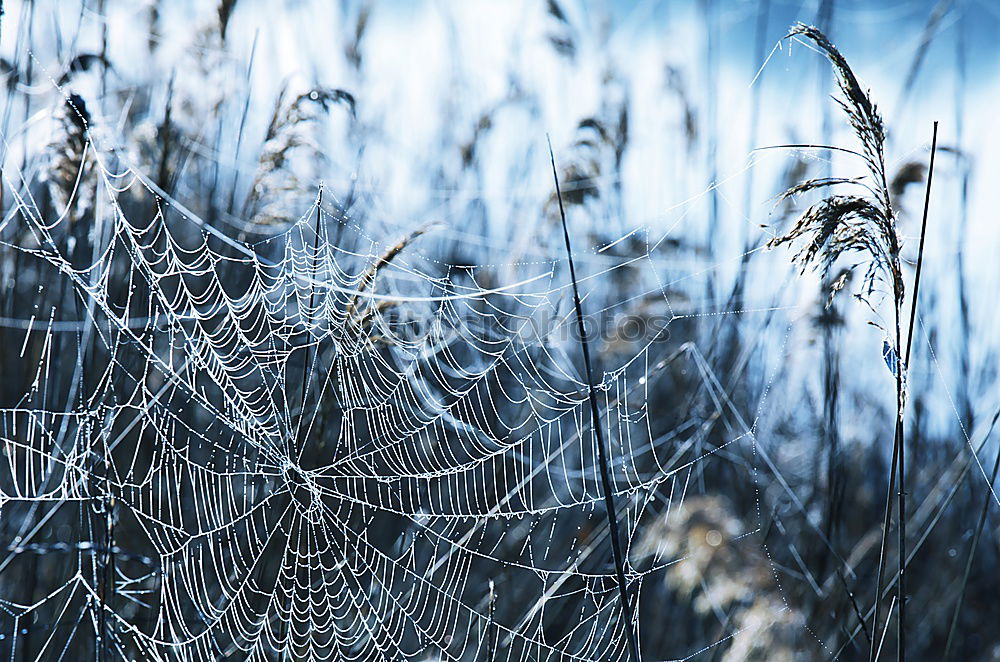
[
  {"x": 595, "y": 418},
  {"x": 901, "y": 586}
]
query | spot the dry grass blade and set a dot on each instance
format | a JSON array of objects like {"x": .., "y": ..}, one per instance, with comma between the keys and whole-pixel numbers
[{"x": 380, "y": 263}]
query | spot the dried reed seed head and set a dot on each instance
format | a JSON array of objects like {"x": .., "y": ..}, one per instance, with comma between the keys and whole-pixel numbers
[
  {"x": 856, "y": 102},
  {"x": 795, "y": 171},
  {"x": 696, "y": 529},
  {"x": 699, "y": 539},
  {"x": 68, "y": 162},
  {"x": 306, "y": 107},
  {"x": 836, "y": 285},
  {"x": 768, "y": 631},
  {"x": 368, "y": 276},
  {"x": 562, "y": 38},
  {"x": 593, "y": 148},
  {"x": 82, "y": 63},
  {"x": 817, "y": 183},
  {"x": 225, "y": 12},
  {"x": 76, "y": 112},
  {"x": 912, "y": 172},
  {"x": 352, "y": 51},
  {"x": 468, "y": 150},
  {"x": 555, "y": 11},
  {"x": 840, "y": 224}
]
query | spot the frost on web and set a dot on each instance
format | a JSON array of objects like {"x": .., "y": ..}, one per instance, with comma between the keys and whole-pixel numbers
[{"x": 330, "y": 445}]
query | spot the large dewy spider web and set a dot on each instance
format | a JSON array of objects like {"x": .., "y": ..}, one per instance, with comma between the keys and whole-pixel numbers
[{"x": 305, "y": 447}]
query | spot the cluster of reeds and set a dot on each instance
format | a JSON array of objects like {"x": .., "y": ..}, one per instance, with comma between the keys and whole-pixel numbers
[{"x": 288, "y": 133}]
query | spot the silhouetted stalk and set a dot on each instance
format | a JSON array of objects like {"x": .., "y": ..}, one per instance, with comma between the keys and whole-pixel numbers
[
  {"x": 854, "y": 606},
  {"x": 898, "y": 463},
  {"x": 900, "y": 432},
  {"x": 307, "y": 361},
  {"x": 890, "y": 488},
  {"x": 831, "y": 397},
  {"x": 609, "y": 496},
  {"x": 830, "y": 368},
  {"x": 824, "y": 21}
]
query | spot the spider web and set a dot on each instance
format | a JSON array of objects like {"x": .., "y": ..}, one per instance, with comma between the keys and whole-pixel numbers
[
  {"x": 308, "y": 445},
  {"x": 341, "y": 442}
]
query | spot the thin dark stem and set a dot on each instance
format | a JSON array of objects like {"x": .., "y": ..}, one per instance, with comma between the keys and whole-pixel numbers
[
  {"x": 901, "y": 586},
  {"x": 972, "y": 555},
  {"x": 885, "y": 538},
  {"x": 854, "y": 605},
  {"x": 609, "y": 496},
  {"x": 107, "y": 575},
  {"x": 900, "y": 443},
  {"x": 920, "y": 251},
  {"x": 897, "y": 464},
  {"x": 293, "y": 451},
  {"x": 941, "y": 508}
]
